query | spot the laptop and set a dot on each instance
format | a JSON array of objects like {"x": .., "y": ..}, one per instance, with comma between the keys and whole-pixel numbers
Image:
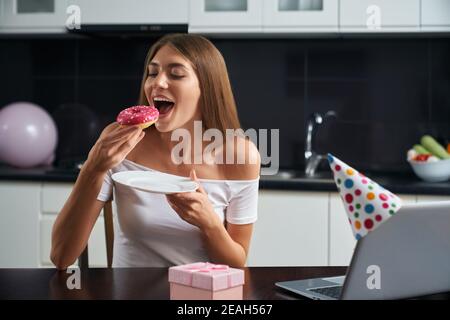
[{"x": 408, "y": 256}]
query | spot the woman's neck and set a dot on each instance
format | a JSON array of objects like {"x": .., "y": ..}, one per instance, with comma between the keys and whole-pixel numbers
[{"x": 190, "y": 136}]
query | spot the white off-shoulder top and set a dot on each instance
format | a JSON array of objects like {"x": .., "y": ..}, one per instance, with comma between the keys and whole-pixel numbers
[{"x": 149, "y": 233}]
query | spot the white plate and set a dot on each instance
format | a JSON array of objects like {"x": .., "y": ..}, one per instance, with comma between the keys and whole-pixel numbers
[{"x": 156, "y": 182}]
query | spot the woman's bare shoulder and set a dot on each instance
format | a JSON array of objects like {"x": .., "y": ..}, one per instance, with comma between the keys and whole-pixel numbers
[{"x": 247, "y": 161}]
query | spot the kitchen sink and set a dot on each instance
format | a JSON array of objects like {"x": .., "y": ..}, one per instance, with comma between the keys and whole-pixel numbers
[{"x": 297, "y": 175}]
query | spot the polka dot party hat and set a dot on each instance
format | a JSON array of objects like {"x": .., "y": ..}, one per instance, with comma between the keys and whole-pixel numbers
[{"x": 367, "y": 204}]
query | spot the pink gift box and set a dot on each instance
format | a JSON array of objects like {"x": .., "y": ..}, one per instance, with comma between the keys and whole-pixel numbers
[{"x": 205, "y": 281}]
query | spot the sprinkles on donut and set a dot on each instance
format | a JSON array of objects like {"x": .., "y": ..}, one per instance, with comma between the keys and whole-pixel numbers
[{"x": 144, "y": 116}]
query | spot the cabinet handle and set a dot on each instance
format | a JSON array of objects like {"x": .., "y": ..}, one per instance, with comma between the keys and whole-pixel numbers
[{"x": 300, "y": 5}]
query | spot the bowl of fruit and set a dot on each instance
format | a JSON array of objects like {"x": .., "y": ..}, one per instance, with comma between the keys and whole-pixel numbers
[{"x": 429, "y": 160}]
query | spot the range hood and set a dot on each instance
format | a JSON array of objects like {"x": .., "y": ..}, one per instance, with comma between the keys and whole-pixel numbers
[
  {"x": 129, "y": 30},
  {"x": 132, "y": 17}
]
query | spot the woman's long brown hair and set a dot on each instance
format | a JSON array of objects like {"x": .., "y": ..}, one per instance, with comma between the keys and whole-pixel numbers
[{"x": 217, "y": 104}]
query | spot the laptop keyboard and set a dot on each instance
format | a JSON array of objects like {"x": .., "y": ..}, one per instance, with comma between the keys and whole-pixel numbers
[{"x": 333, "y": 292}]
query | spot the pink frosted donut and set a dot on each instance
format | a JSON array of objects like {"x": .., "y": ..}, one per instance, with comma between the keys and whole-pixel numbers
[{"x": 145, "y": 116}]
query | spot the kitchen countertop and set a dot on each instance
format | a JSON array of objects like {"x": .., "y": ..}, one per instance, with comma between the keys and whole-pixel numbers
[
  {"x": 400, "y": 183},
  {"x": 406, "y": 183},
  {"x": 38, "y": 174}
]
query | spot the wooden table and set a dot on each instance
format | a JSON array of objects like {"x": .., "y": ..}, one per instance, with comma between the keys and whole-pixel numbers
[
  {"x": 139, "y": 283},
  {"x": 144, "y": 283}
]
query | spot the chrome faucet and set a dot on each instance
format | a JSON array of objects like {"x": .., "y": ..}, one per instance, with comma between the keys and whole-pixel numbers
[{"x": 313, "y": 159}]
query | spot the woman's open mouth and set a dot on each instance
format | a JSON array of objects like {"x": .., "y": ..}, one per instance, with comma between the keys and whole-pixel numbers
[{"x": 163, "y": 105}]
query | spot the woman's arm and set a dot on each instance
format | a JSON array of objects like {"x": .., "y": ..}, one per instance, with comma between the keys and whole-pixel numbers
[
  {"x": 229, "y": 246},
  {"x": 224, "y": 245},
  {"x": 74, "y": 223}
]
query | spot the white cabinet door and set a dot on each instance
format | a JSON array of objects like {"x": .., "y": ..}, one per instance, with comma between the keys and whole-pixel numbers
[
  {"x": 219, "y": 16},
  {"x": 54, "y": 195},
  {"x": 33, "y": 16},
  {"x": 435, "y": 15},
  {"x": 133, "y": 11},
  {"x": 342, "y": 241},
  {"x": 300, "y": 15},
  {"x": 292, "y": 229},
  {"x": 19, "y": 224},
  {"x": 379, "y": 15}
]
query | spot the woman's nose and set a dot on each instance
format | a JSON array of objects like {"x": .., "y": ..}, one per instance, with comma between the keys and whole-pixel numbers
[{"x": 160, "y": 81}]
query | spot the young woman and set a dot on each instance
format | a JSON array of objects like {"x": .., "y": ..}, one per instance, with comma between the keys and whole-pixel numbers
[{"x": 185, "y": 77}]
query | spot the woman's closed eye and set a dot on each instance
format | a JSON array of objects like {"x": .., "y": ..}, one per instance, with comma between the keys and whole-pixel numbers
[
  {"x": 176, "y": 76},
  {"x": 172, "y": 75},
  {"x": 177, "y": 72}
]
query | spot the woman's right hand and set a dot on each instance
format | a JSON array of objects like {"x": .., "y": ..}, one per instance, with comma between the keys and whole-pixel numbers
[{"x": 113, "y": 145}]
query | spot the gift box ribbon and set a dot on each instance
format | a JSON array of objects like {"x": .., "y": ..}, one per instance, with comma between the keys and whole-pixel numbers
[{"x": 207, "y": 268}]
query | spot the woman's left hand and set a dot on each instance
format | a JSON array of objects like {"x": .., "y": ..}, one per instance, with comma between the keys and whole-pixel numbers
[{"x": 194, "y": 207}]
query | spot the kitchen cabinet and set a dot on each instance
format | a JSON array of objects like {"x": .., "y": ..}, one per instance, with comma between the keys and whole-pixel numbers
[
  {"x": 19, "y": 232},
  {"x": 231, "y": 16},
  {"x": 133, "y": 11},
  {"x": 258, "y": 16},
  {"x": 341, "y": 241},
  {"x": 297, "y": 228},
  {"x": 294, "y": 228},
  {"x": 379, "y": 15},
  {"x": 27, "y": 212},
  {"x": 310, "y": 16},
  {"x": 27, "y": 16},
  {"x": 300, "y": 16},
  {"x": 291, "y": 230},
  {"x": 435, "y": 15}
]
